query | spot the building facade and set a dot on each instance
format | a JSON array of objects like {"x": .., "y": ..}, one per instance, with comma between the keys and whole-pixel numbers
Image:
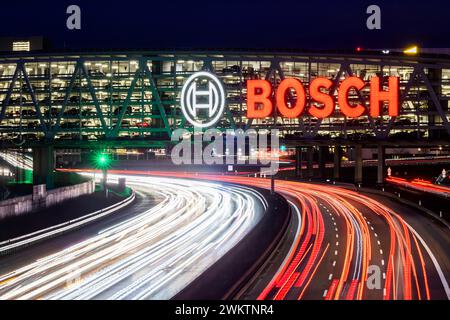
[{"x": 75, "y": 99}]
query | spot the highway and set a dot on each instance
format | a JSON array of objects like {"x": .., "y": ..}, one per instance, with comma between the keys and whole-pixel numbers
[
  {"x": 343, "y": 236},
  {"x": 345, "y": 245},
  {"x": 345, "y": 239},
  {"x": 421, "y": 185},
  {"x": 152, "y": 251},
  {"x": 17, "y": 159}
]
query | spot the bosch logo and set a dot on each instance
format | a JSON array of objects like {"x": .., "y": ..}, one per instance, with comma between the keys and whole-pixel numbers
[{"x": 202, "y": 99}]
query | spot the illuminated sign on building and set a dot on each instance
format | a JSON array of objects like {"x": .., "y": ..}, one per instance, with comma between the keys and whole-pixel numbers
[
  {"x": 202, "y": 99},
  {"x": 260, "y": 102}
]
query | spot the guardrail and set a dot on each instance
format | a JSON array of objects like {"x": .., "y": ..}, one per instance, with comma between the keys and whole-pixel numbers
[{"x": 26, "y": 240}]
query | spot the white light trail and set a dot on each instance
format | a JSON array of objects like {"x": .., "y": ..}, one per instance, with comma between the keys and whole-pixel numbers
[{"x": 152, "y": 255}]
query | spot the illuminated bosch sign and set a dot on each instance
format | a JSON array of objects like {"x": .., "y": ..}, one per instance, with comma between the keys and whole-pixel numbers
[
  {"x": 202, "y": 99},
  {"x": 260, "y": 98}
]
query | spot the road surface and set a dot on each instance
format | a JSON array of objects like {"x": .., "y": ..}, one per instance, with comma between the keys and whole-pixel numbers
[
  {"x": 348, "y": 245},
  {"x": 347, "y": 241}
]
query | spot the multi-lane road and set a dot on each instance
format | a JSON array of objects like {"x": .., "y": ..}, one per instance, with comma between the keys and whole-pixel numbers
[
  {"x": 349, "y": 245},
  {"x": 342, "y": 244},
  {"x": 151, "y": 251}
]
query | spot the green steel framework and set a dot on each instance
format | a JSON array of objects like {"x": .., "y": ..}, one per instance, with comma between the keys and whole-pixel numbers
[{"x": 37, "y": 118}]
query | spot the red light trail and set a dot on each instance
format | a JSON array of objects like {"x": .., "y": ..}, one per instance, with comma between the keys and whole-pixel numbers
[{"x": 421, "y": 185}]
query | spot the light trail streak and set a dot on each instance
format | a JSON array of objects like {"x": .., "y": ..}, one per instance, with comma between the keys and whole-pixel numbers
[
  {"x": 152, "y": 255},
  {"x": 358, "y": 241},
  {"x": 421, "y": 185},
  {"x": 17, "y": 159},
  {"x": 349, "y": 207},
  {"x": 401, "y": 280}
]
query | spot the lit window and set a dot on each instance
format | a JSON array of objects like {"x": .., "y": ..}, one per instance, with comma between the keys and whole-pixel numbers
[{"x": 21, "y": 46}]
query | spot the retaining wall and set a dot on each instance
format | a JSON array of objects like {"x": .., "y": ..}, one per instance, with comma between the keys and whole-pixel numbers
[{"x": 41, "y": 198}]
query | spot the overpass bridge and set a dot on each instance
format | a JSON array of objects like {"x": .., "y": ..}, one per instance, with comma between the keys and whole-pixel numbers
[{"x": 131, "y": 99}]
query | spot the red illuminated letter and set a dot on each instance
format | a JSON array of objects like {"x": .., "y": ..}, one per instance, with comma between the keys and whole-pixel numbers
[
  {"x": 378, "y": 96},
  {"x": 297, "y": 109},
  {"x": 258, "y": 104},
  {"x": 317, "y": 95},
  {"x": 346, "y": 108}
]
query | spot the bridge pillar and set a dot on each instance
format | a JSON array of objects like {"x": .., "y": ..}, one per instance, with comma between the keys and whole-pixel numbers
[
  {"x": 358, "y": 164},
  {"x": 309, "y": 162},
  {"x": 322, "y": 156},
  {"x": 43, "y": 165},
  {"x": 337, "y": 162},
  {"x": 381, "y": 164},
  {"x": 298, "y": 161}
]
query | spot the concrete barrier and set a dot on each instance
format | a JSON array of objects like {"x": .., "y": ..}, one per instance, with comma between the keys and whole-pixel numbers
[
  {"x": 41, "y": 198},
  {"x": 16, "y": 206}
]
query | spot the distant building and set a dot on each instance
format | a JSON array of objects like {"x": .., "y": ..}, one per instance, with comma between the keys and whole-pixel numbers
[{"x": 10, "y": 44}]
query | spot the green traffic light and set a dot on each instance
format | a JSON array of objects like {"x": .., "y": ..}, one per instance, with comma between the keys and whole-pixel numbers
[{"x": 102, "y": 161}]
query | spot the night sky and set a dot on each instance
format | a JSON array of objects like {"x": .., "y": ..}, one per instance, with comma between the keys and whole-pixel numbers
[{"x": 275, "y": 24}]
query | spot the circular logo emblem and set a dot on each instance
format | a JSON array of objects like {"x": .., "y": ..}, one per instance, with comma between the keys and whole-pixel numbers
[{"x": 202, "y": 99}]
